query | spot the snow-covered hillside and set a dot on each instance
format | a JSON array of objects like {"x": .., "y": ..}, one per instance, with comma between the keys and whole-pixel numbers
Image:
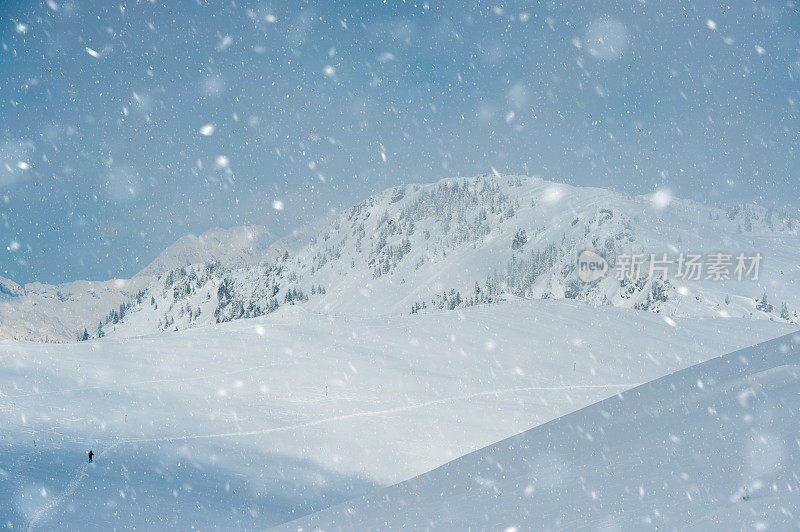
[
  {"x": 249, "y": 424},
  {"x": 712, "y": 447},
  {"x": 466, "y": 241},
  {"x": 57, "y": 313}
]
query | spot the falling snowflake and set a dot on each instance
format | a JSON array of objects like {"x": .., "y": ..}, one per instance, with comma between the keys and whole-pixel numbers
[{"x": 661, "y": 199}]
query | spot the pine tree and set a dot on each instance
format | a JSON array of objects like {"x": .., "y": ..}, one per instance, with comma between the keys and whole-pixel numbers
[
  {"x": 520, "y": 238},
  {"x": 763, "y": 305}
]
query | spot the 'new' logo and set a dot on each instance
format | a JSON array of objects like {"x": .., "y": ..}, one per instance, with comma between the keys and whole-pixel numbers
[{"x": 591, "y": 266}]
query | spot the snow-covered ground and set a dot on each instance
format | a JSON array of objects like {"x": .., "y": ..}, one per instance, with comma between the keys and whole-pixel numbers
[
  {"x": 712, "y": 447},
  {"x": 256, "y": 422}
]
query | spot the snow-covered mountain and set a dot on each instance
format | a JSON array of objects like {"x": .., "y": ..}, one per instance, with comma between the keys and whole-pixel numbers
[
  {"x": 712, "y": 447},
  {"x": 45, "y": 312},
  {"x": 467, "y": 241}
]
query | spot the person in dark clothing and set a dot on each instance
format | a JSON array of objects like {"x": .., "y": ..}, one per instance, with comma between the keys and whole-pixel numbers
[{"x": 91, "y": 454}]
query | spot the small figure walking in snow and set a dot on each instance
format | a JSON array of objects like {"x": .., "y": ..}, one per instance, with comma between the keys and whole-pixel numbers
[{"x": 91, "y": 454}]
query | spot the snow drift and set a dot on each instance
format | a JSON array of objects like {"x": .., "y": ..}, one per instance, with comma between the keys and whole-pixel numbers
[{"x": 714, "y": 446}]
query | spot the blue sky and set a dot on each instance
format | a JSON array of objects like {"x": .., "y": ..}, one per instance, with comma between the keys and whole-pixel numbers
[{"x": 104, "y": 160}]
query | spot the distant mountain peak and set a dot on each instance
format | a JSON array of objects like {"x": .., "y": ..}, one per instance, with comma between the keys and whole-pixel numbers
[
  {"x": 9, "y": 288},
  {"x": 41, "y": 311},
  {"x": 238, "y": 246}
]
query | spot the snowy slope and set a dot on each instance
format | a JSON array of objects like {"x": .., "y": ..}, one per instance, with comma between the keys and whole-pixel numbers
[
  {"x": 43, "y": 312},
  {"x": 449, "y": 245},
  {"x": 714, "y": 446},
  {"x": 230, "y": 425}
]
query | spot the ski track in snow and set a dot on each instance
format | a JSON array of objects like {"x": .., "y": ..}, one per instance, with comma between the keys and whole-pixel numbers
[
  {"x": 373, "y": 413},
  {"x": 55, "y": 502}
]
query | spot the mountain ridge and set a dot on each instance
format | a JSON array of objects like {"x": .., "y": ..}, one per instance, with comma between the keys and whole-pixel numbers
[
  {"x": 45, "y": 312},
  {"x": 449, "y": 244},
  {"x": 465, "y": 241}
]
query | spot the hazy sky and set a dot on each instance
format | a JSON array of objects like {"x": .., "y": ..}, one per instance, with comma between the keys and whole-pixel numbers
[{"x": 126, "y": 125}]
